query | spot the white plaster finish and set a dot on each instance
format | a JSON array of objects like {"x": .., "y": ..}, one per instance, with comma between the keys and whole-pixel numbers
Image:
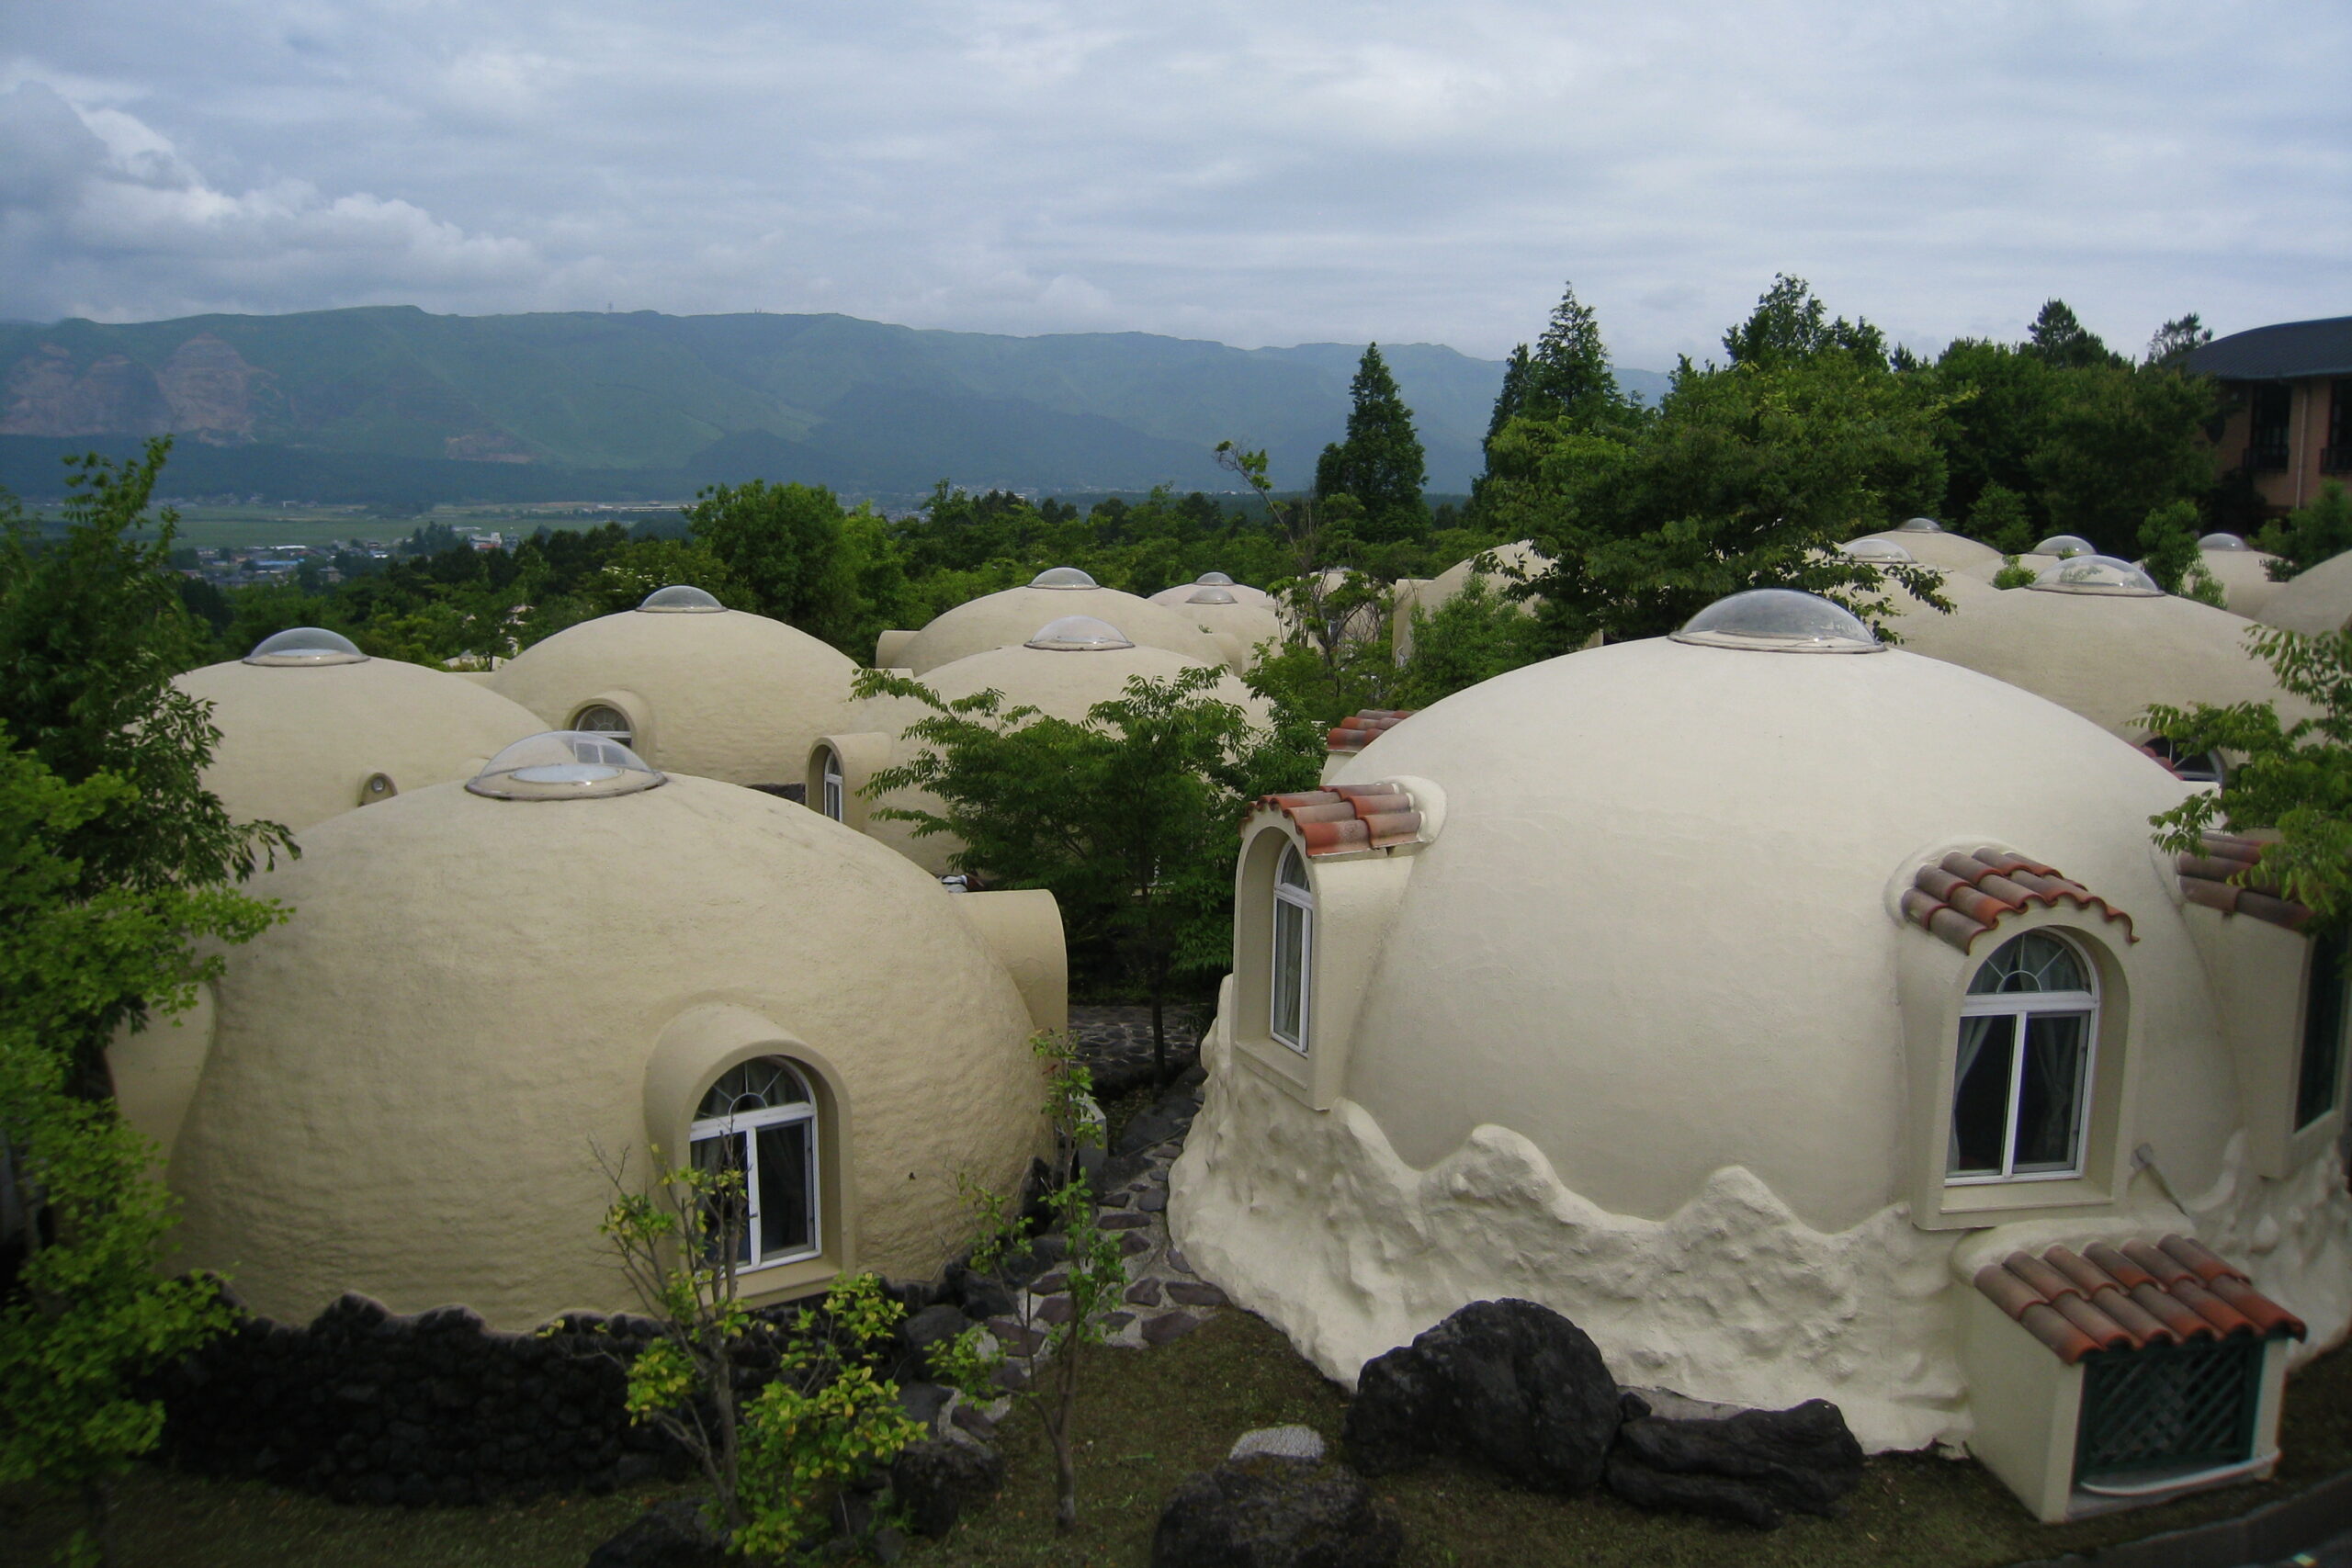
[
  {"x": 2316, "y": 602},
  {"x": 1059, "y": 683},
  {"x": 408, "y": 1079},
  {"x": 299, "y": 742},
  {"x": 722, "y": 694},
  {"x": 1239, "y": 627},
  {"x": 2107, "y": 657},
  {"x": 1945, "y": 552},
  {"x": 1173, "y": 598},
  {"x": 1013, "y": 617},
  {"x": 2246, "y": 587},
  {"x": 1430, "y": 595},
  {"x": 1636, "y": 1040}
]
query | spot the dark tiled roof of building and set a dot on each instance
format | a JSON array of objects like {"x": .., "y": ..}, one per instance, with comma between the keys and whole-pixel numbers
[
  {"x": 1360, "y": 730},
  {"x": 2227, "y": 877},
  {"x": 2130, "y": 1297},
  {"x": 1351, "y": 816},
  {"x": 2278, "y": 353},
  {"x": 1964, "y": 896}
]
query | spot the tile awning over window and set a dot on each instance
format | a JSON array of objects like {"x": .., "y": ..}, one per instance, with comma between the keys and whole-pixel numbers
[
  {"x": 1361, "y": 729},
  {"x": 2206, "y": 879},
  {"x": 1351, "y": 816},
  {"x": 2130, "y": 1297},
  {"x": 1964, "y": 896}
]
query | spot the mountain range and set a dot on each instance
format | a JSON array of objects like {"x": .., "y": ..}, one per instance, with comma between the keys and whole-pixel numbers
[{"x": 579, "y": 405}]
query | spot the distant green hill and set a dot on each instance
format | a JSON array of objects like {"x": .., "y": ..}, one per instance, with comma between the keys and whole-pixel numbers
[{"x": 525, "y": 407}]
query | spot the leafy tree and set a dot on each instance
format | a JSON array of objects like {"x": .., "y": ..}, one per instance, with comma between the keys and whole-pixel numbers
[
  {"x": 1338, "y": 614},
  {"x": 2309, "y": 535},
  {"x": 2294, "y": 780},
  {"x": 2058, "y": 338},
  {"x": 1997, "y": 402},
  {"x": 2174, "y": 341},
  {"x": 1511, "y": 401},
  {"x": 2121, "y": 443},
  {"x": 1569, "y": 377},
  {"x": 783, "y": 544},
  {"x": 1791, "y": 324},
  {"x": 2000, "y": 519},
  {"x": 1475, "y": 635},
  {"x": 1380, "y": 463},
  {"x": 1131, "y": 816}
]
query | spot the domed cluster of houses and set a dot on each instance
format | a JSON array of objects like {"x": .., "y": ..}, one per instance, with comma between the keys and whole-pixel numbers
[{"x": 1803, "y": 1014}]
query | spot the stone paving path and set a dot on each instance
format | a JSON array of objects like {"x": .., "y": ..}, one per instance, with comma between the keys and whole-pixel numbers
[{"x": 1115, "y": 1043}]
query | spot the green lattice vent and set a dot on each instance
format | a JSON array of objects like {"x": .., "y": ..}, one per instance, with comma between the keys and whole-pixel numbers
[{"x": 2167, "y": 1409}]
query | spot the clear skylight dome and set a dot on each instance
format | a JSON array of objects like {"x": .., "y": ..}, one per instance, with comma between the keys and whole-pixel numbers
[
  {"x": 2063, "y": 544},
  {"x": 2096, "y": 574},
  {"x": 2222, "y": 542},
  {"x": 678, "y": 597},
  {"x": 306, "y": 645},
  {"x": 1779, "y": 620},
  {"x": 1876, "y": 549},
  {"x": 564, "y": 764},
  {"x": 1214, "y": 579},
  {"x": 1918, "y": 526},
  {"x": 1062, "y": 577},
  {"x": 1079, "y": 634},
  {"x": 1212, "y": 596}
]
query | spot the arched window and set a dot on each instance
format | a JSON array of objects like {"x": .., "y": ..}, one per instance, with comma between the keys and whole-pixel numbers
[
  {"x": 760, "y": 1119},
  {"x": 1293, "y": 950},
  {"x": 2201, "y": 767},
  {"x": 830, "y": 797},
  {"x": 2021, "y": 1080},
  {"x": 2319, "y": 1077},
  {"x": 603, "y": 718}
]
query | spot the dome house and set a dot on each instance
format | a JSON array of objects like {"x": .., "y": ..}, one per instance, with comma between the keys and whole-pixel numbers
[
  {"x": 2316, "y": 600},
  {"x": 1724, "y": 993},
  {"x": 619, "y": 960},
  {"x": 1430, "y": 595},
  {"x": 311, "y": 727},
  {"x": 1009, "y": 618},
  {"x": 2242, "y": 572},
  {"x": 1170, "y": 598},
  {"x": 689, "y": 684},
  {"x": 1931, "y": 545}
]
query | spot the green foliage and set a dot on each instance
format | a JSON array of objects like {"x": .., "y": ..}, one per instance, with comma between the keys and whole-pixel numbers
[
  {"x": 2310, "y": 535},
  {"x": 2014, "y": 574},
  {"x": 1569, "y": 377},
  {"x": 2174, "y": 341},
  {"x": 1380, "y": 463},
  {"x": 1475, "y": 635},
  {"x": 2168, "y": 545},
  {"x": 2000, "y": 519},
  {"x": 2119, "y": 443},
  {"x": 2058, "y": 338},
  {"x": 1791, "y": 324},
  {"x": 2292, "y": 780},
  {"x": 783, "y": 544}
]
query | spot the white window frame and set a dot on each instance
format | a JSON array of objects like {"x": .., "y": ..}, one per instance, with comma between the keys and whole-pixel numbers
[
  {"x": 832, "y": 798},
  {"x": 626, "y": 735},
  {"x": 745, "y": 1126},
  {"x": 2018, "y": 1005},
  {"x": 1303, "y": 900}
]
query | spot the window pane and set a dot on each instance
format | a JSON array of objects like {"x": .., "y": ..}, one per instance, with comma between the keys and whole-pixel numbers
[
  {"x": 1290, "y": 970},
  {"x": 2322, "y": 1068},
  {"x": 728, "y": 1209},
  {"x": 1980, "y": 1100},
  {"x": 1293, "y": 871},
  {"x": 2050, "y": 1093},
  {"x": 787, "y": 1191},
  {"x": 2031, "y": 963}
]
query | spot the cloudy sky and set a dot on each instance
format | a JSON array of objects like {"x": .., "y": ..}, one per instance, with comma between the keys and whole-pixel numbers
[{"x": 1263, "y": 171}]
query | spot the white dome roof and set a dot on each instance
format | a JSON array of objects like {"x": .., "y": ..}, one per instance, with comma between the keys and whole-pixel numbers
[
  {"x": 304, "y": 741},
  {"x": 1173, "y": 598},
  {"x": 2316, "y": 600},
  {"x": 1943, "y": 550},
  {"x": 725, "y": 694},
  {"x": 2244, "y": 574},
  {"x": 1012, "y": 616}
]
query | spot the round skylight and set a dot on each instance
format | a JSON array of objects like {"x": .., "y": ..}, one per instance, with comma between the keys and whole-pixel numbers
[
  {"x": 1079, "y": 634},
  {"x": 306, "y": 645},
  {"x": 1918, "y": 526},
  {"x": 1212, "y": 596},
  {"x": 679, "y": 598},
  {"x": 2222, "y": 542},
  {"x": 2096, "y": 574},
  {"x": 1779, "y": 620},
  {"x": 1062, "y": 577},
  {"x": 1214, "y": 579},
  {"x": 564, "y": 764},
  {"x": 2063, "y": 544},
  {"x": 1875, "y": 550}
]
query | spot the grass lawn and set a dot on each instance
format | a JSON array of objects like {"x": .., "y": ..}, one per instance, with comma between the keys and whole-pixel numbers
[{"x": 1150, "y": 1418}]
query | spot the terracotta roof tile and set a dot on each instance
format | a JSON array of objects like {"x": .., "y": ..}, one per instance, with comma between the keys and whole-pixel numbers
[
  {"x": 2109, "y": 1299},
  {"x": 1360, "y": 730},
  {"x": 1964, "y": 896},
  {"x": 2228, "y": 877},
  {"x": 1351, "y": 816}
]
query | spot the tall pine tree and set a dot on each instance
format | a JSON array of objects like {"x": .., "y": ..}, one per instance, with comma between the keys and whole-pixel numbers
[
  {"x": 1569, "y": 377},
  {"x": 1380, "y": 463}
]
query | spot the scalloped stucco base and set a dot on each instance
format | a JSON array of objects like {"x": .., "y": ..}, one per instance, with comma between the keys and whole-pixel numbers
[{"x": 1312, "y": 1221}]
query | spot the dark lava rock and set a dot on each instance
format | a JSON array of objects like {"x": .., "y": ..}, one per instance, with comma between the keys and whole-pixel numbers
[
  {"x": 668, "y": 1535},
  {"x": 1510, "y": 1383},
  {"x": 1274, "y": 1514},
  {"x": 936, "y": 1480},
  {"x": 1750, "y": 1467},
  {"x": 922, "y": 1401},
  {"x": 932, "y": 1326}
]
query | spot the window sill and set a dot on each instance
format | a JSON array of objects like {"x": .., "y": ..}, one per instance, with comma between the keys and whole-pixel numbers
[
  {"x": 1976, "y": 1204},
  {"x": 1292, "y": 1070},
  {"x": 771, "y": 1281}
]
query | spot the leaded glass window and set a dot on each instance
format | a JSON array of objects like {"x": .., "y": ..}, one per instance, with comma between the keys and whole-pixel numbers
[
  {"x": 2021, "y": 1074},
  {"x": 757, "y": 1125}
]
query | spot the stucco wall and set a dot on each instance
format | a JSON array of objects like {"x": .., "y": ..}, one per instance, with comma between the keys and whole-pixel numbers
[{"x": 1015, "y": 615}]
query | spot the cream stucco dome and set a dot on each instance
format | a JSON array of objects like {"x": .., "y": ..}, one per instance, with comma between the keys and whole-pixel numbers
[
  {"x": 1431, "y": 594},
  {"x": 2245, "y": 577},
  {"x": 1239, "y": 626},
  {"x": 2107, "y": 657},
  {"x": 1171, "y": 598},
  {"x": 1624, "y": 1015},
  {"x": 409, "y": 1082},
  {"x": 2316, "y": 600},
  {"x": 1943, "y": 550},
  {"x": 1059, "y": 684},
  {"x": 1012, "y": 616},
  {"x": 301, "y": 744},
  {"x": 722, "y": 693}
]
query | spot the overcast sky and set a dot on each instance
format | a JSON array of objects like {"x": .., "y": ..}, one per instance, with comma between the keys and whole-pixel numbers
[{"x": 1267, "y": 172}]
